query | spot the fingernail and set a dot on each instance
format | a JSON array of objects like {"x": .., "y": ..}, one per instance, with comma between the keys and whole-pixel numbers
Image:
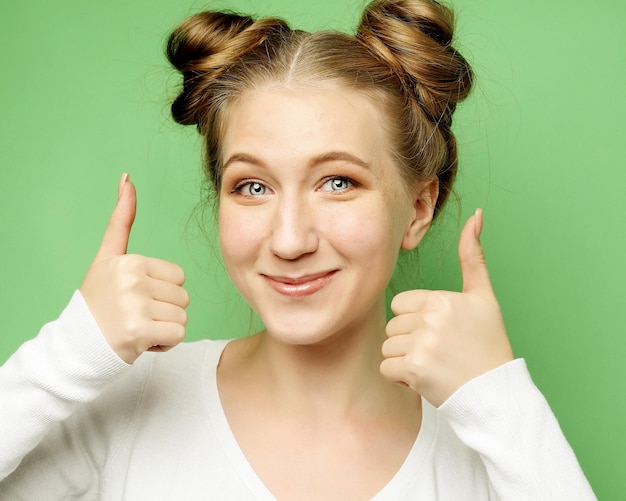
[
  {"x": 120, "y": 187},
  {"x": 478, "y": 223}
]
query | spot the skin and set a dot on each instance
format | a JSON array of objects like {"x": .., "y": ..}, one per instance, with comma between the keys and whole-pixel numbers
[
  {"x": 316, "y": 388},
  {"x": 291, "y": 146},
  {"x": 138, "y": 302},
  {"x": 310, "y": 239}
]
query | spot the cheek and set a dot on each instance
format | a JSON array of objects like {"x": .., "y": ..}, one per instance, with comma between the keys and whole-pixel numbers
[
  {"x": 365, "y": 233},
  {"x": 239, "y": 237}
]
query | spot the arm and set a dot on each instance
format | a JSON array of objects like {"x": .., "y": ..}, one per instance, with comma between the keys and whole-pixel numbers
[
  {"x": 127, "y": 304},
  {"x": 505, "y": 418},
  {"x": 67, "y": 364},
  {"x": 452, "y": 349}
]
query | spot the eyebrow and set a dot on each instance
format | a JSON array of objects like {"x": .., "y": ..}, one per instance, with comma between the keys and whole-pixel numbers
[{"x": 331, "y": 156}]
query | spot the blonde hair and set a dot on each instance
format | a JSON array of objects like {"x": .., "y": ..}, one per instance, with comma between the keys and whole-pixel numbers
[{"x": 401, "y": 56}]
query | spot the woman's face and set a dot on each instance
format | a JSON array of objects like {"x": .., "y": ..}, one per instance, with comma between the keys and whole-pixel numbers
[{"x": 313, "y": 211}]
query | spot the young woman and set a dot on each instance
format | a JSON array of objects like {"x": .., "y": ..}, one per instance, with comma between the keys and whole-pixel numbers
[{"x": 330, "y": 154}]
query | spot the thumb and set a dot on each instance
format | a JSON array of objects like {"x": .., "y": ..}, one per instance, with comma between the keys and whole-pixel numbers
[
  {"x": 473, "y": 266},
  {"x": 117, "y": 233}
]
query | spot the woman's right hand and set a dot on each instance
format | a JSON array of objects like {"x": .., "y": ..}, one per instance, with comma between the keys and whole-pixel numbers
[{"x": 138, "y": 302}]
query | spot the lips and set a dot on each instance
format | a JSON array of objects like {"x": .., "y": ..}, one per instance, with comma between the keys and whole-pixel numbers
[{"x": 301, "y": 286}]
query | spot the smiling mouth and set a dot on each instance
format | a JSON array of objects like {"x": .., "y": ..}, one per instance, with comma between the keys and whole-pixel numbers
[{"x": 299, "y": 286}]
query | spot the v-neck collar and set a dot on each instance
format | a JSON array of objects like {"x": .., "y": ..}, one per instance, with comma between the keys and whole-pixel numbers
[{"x": 395, "y": 489}]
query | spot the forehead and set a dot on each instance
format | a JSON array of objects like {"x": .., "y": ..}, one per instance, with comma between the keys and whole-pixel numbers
[{"x": 288, "y": 124}]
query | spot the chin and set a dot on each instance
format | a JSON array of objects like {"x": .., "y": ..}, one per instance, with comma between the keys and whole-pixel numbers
[
  {"x": 298, "y": 336},
  {"x": 314, "y": 330}
]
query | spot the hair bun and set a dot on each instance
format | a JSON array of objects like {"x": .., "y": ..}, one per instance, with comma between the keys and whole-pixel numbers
[
  {"x": 204, "y": 46},
  {"x": 414, "y": 37}
]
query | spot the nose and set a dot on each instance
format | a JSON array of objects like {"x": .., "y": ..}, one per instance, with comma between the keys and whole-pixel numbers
[{"x": 294, "y": 234}]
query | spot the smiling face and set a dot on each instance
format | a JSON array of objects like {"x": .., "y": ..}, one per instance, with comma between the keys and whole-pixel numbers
[{"x": 313, "y": 211}]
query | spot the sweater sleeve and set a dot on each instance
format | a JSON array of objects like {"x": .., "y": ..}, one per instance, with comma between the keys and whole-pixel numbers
[
  {"x": 67, "y": 364},
  {"x": 504, "y": 417}
]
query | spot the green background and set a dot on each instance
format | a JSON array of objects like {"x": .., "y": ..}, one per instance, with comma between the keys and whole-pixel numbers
[{"x": 84, "y": 97}]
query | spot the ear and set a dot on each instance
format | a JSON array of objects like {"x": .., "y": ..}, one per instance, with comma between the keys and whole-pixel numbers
[{"x": 423, "y": 208}]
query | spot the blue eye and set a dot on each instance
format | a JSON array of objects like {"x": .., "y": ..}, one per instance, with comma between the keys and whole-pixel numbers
[
  {"x": 251, "y": 189},
  {"x": 337, "y": 184}
]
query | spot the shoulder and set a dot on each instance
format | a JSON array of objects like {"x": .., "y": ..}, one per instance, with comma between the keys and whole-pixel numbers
[
  {"x": 190, "y": 356},
  {"x": 158, "y": 384},
  {"x": 185, "y": 367}
]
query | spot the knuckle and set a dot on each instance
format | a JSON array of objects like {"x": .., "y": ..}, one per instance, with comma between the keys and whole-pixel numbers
[
  {"x": 131, "y": 282},
  {"x": 395, "y": 302},
  {"x": 127, "y": 262},
  {"x": 385, "y": 349},
  {"x": 133, "y": 329},
  {"x": 175, "y": 273},
  {"x": 183, "y": 318},
  {"x": 185, "y": 299},
  {"x": 413, "y": 363},
  {"x": 440, "y": 299},
  {"x": 413, "y": 376},
  {"x": 429, "y": 344},
  {"x": 401, "y": 300},
  {"x": 178, "y": 333},
  {"x": 385, "y": 369},
  {"x": 136, "y": 259},
  {"x": 135, "y": 263},
  {"x": 181, "y": 275},
  {"x": 390, "y": 328},
  {"x": 128, "y": 273}
]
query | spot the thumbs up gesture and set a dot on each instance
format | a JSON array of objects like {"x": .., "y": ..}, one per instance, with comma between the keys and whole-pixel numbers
[
  {"x": 440, "y": 340},
  {"x": 138, "y": 302}
]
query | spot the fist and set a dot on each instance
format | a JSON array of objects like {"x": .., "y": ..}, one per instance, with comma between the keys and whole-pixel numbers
[
  {"x": 440, "y": 340},
  {"x": 138, "y": 302}
]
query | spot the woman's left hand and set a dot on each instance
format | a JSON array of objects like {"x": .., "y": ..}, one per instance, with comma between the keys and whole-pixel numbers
[{"x": 440, "y": 340}]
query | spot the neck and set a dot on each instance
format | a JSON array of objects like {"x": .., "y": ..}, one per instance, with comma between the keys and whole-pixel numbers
[{"x": 338, "y": 376}]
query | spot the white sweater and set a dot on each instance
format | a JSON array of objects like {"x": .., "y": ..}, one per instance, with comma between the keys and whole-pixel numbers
[{"x": 79, "y": 423}]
